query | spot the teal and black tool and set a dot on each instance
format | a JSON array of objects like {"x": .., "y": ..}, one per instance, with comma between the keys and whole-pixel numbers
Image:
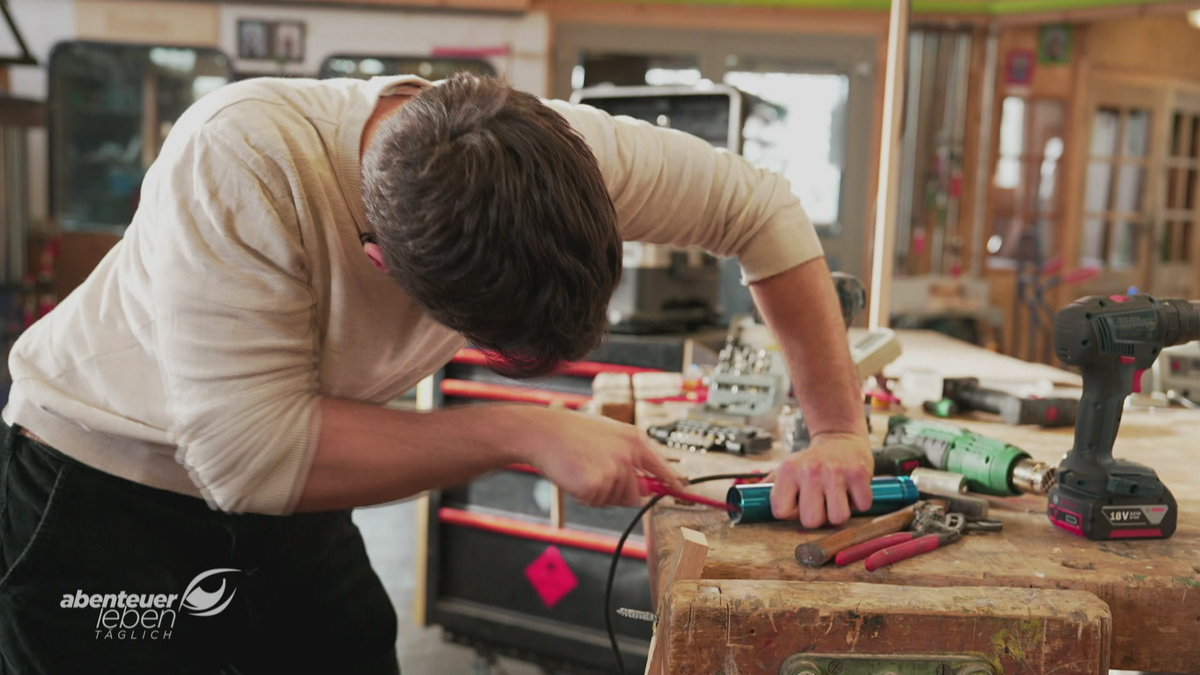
[{"x": 752, "y": 503}]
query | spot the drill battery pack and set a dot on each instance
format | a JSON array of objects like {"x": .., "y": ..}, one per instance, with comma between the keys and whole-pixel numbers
[{"x": 1113, "y": 517}]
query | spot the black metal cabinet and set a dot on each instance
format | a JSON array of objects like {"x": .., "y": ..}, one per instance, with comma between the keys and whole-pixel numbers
[{"x": 491, "y": 545}]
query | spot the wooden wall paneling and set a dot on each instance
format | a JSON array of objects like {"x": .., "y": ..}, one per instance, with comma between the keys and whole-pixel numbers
[
  {"x": 484, "y": 5},
  {"x": 1162, "y": 45},
  {"x": 1073, "y": 163},
  {"x": 1130, "y": 10},
  {"x": 970, "y": 183},
  {"x": 711, "y": 17},
  {"x": 139, "y": 21},
  {"x": 78, "y": 255}
]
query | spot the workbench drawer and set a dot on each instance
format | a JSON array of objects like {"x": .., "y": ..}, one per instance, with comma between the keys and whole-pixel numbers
[{"x": 824, "y": 628}]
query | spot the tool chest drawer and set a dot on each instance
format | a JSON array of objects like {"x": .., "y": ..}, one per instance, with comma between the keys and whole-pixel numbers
[{"x": 516, "y": 586}]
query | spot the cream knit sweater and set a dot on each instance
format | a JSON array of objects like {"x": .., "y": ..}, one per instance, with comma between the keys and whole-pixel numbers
[{"x": 194, "y": 356}]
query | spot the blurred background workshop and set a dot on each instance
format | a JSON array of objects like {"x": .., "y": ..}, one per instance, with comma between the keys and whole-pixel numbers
[{"x": 1006, "y": 191}]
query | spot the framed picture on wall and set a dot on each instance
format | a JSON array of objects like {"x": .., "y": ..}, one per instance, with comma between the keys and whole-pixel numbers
[
  {"x": 1018, "y": 67},
  {"x": 253, "y": 39},
  {"x": 1054, "y": 44},
  {"x": 289, "y": 41}
]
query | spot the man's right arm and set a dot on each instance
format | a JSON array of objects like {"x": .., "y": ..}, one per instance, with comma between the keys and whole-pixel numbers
[{"x": 368, "y": 454}]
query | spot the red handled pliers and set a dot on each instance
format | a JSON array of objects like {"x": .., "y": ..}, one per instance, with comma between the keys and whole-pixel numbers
[{"x": 891, "y": 548}]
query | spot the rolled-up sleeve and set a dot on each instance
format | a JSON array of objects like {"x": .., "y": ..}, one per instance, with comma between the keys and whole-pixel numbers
[
  {"x": 235, "y": 329},
  {"x": 674, "y": 188}
]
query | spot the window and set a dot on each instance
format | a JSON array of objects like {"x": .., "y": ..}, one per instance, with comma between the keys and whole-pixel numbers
[
  {"x": 800, "y": 134},
  {"x": 1180, "y": 172},
  {"x": 1025, "y": 182},
  {"x": 633, "y": 70},
  {"x": 1114, "y": 217}
]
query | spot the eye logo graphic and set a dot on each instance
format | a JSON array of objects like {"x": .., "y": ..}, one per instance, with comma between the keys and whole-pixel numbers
[{"x": 200, "y": 602}]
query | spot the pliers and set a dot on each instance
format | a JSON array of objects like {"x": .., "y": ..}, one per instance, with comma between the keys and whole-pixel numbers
[{"x": 928, "y": 536}]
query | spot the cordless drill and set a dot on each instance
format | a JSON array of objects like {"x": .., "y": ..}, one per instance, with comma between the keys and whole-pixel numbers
[{"x": 1112, "y": 340}]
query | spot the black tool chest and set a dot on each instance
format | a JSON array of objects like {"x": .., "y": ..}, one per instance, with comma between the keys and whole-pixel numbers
[{"x": 500, "y": 577}]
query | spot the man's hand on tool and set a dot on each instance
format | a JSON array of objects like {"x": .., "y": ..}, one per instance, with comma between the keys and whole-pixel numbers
[
  {"x": 594, "y": 459},
  {"x": 802, "y": 309},
  {"x": 819, "y": 483}
]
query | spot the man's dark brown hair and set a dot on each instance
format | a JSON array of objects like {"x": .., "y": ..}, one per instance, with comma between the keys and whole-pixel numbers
[{"x": 492, "y": 214}]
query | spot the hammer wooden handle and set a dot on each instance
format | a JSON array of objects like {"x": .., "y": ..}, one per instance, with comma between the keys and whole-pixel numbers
[{"x": 820, "y": 551}]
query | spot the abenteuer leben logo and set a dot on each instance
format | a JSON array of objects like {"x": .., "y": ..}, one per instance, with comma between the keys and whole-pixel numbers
[{"x": 151, "y": 616}]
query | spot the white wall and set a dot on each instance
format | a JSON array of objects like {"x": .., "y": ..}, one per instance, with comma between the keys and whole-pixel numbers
[
  {"x": 42, "y": 23},
  {"x": 403, "y": 32}
]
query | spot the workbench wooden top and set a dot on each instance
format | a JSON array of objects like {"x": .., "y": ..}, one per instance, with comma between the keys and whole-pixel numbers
[{"x": 1152, "y": 587}]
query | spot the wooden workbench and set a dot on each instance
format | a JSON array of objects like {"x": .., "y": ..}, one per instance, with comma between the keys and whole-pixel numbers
[{"x": 1151, "y": 588}]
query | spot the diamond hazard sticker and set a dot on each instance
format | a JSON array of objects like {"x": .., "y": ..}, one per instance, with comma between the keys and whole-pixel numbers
[{"x": 550, "y": 577}]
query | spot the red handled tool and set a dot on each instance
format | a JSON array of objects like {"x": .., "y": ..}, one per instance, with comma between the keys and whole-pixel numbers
[
  {"x": 654, "y": 486},
  {"x": 865, "y": 549},
  {"x": 910, "y": 549}
]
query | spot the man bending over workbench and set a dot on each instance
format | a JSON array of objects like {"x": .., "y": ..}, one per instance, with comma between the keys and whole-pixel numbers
[{"x": 207, "y": 408}]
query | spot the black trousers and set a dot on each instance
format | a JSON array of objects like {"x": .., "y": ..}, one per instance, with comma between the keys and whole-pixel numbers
[{"x": 103, "y": 575}]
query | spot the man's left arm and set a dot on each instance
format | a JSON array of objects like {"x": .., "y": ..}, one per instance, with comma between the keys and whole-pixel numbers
[
  {"x": 801, "y": 307},
  {"x": 673, "y": 188}
]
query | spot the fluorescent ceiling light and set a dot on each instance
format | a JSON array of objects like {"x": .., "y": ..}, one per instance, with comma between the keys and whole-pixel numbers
[{"x": 1194, "y": 18}]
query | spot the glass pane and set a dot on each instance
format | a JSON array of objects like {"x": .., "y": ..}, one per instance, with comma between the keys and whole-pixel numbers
[
  {"x": 1104, "y": 132},
  {"x": 632, "y": 70},
  {"x": 1047, "y": 126},
  {"x": 1124, "y": 248},
  {"x": 799, "y": 134},
  {"x": 1173, "y": 189},
  {"x": 1166, "y": 243},
  {"x": 114, "y": 106},
  {"x": 1099, "y": 180},
  {"x": 1048, "y": 175},
  {"x": 1012, "y": 126},
  {"x": 1129, "y": 189},
  {"x": 1137, "y": 133},
  {"x": 1031, "y": 172},
  {"x": 366, "y": 66},
  {"x": 1008, "y": 173},
  {"x": 1176, "y": 146},
  {"x": 1195, "y": 137},
  {"x": 1093, "y": 241}
]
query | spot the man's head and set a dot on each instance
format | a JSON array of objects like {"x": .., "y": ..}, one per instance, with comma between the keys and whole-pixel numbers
[{"x": 490, "y": 211}]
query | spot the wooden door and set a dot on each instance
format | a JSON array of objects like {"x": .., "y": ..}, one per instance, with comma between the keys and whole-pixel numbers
[
  {"x": 1176, "y": 268},
  {"x": 1119, "y": 211}
]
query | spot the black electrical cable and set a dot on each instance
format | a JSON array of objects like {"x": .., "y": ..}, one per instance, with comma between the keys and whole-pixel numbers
[{"x": 612, "y": 569}]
